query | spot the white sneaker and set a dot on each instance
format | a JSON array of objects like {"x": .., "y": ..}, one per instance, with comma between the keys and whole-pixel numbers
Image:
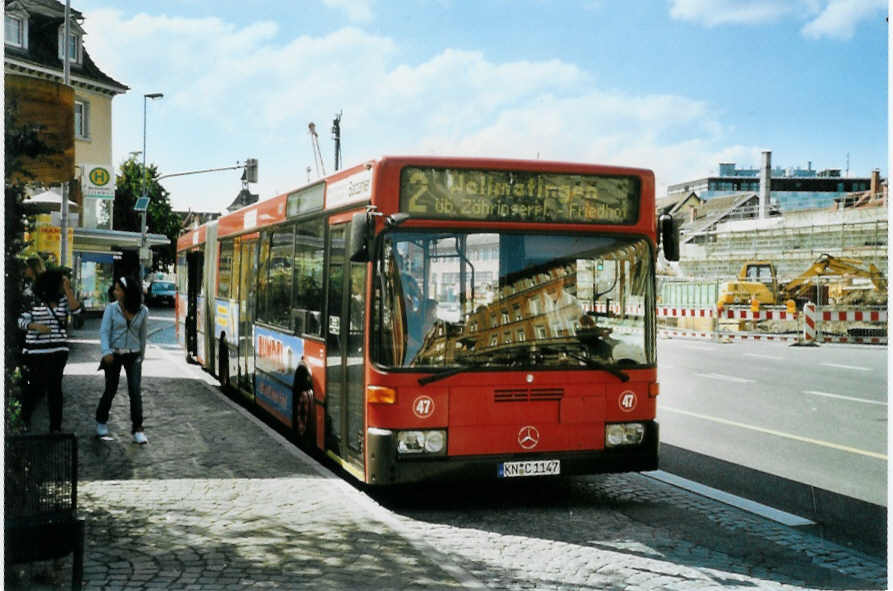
[
  {"x": 140, "y": 437},
  {"x": 102, "y": 429}
]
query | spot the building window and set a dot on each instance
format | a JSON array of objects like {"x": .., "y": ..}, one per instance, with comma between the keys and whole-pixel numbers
[
  {"x": 16, "y": 31},
  {"x": 81, "y": 119},
  {"x": 74, "y": 45}
]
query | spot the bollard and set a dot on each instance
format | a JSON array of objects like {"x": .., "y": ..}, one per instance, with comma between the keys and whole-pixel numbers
[{"x": 809, "y": 322}]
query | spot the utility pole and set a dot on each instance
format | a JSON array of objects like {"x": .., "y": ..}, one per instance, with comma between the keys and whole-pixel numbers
[
  {"x": 144, "y": 247},
  {"x": 66, "y": 76},
  {"x": 336, "y": 135}
]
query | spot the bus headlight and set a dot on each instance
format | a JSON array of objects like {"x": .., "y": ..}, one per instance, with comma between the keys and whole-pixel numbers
[
  {"x": 431, "y": 442},
  {"x": 624, "y": 434}
]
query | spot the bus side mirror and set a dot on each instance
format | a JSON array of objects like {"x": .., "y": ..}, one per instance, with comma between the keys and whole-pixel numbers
[
  {"x": 359, "y": 237},
  {"x": 668, "y": 234}
]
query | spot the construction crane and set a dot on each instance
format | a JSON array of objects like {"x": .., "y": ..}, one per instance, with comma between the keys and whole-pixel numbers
[{"x": 317, "y": 155}]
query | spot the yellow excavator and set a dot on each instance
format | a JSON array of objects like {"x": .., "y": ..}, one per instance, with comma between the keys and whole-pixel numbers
[{"x": 857, "y": 283}]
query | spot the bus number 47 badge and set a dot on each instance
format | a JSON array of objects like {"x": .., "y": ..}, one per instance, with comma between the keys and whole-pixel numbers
[
  {"x": 423, "y": 407},
  {"x": 627, "y": 401}
]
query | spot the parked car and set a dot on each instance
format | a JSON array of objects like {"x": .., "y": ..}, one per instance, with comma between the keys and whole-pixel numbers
[{"x": 161, "y": 292}]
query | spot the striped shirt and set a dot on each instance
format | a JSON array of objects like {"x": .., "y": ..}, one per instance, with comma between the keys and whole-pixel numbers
[{"x": 56, "y": 320}]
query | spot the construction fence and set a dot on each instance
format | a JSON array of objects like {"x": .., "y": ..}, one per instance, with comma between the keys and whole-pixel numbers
[{"x": 688, "y": 309}]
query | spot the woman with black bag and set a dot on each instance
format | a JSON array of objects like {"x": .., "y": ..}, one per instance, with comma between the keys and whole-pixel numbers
[
  {"x": 46, "y": 343},
  {"x": 123, "y": 339}
]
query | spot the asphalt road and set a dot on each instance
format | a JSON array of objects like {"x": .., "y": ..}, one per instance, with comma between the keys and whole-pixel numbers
[{"x": 816, "y": 415}]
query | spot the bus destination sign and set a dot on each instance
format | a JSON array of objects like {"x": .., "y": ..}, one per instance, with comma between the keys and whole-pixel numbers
[{"x": 508, "y": 195}]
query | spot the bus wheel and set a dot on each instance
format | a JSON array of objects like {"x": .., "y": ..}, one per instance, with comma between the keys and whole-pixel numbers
[{"x": 304, "y": 423}]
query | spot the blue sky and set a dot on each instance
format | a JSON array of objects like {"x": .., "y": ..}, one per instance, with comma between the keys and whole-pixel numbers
[{"x": 672, "y": 85}]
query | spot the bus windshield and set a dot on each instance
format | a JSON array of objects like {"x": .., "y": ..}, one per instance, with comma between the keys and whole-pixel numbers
[{"x": 513, "y": 300}]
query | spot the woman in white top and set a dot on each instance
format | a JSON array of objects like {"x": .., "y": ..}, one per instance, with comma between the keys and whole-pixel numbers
[{"x": 122, "y": 337}]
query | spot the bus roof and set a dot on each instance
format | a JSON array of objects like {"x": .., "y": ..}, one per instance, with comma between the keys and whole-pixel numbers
[{"x": 354, "y": 186}]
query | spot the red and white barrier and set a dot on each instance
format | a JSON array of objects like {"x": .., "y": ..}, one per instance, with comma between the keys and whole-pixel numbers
[
  {"x": 671, "y": 312},
  {"x": 811, "y": 323},
  {"x": 761, "y": 314},
  {"x": 809, "y": 316},
  {"x": 854, "y": 315}
]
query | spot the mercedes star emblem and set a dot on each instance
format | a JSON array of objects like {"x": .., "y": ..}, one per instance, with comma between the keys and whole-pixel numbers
[{"x": 528, "y": 437}]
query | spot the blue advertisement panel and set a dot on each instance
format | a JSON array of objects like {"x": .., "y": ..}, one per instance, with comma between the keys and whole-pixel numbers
[
  {"x": 275, "y": 397},
  {"x": 276, "y": 357}
]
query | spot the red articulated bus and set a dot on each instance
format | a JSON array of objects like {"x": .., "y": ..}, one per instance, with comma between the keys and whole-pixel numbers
[{"x": 420, "y": 318}]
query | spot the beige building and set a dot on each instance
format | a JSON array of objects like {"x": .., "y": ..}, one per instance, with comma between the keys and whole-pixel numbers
[{"x": 76, "y": 120}]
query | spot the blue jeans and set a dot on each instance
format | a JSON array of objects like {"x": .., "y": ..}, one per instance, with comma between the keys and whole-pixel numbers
[{"x": 133, "y": 367}]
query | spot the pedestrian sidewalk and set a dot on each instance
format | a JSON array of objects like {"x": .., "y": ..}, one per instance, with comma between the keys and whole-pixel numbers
[{"x": 217, "y": 500}]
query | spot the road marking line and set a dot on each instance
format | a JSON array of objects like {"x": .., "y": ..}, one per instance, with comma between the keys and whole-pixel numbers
[
  {"x": 856, "y": 367},
  {"x": 722, "y": 496},
  {"x": 772, "y": 357},
  {"x": 819, "y": 442},
  {"x": 842, "y": 397},
  {"x": 719, "y": 376}
]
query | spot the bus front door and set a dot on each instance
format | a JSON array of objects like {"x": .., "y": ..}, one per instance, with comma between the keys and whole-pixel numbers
[
  {"x": 194, "y": 265},
  {"x": 345, "y": 325}
]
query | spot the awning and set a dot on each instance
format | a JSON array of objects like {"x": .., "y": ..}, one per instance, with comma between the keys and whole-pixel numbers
[
  {"x": 98, "y": 239},
  {"x": 97, "y": 257}
]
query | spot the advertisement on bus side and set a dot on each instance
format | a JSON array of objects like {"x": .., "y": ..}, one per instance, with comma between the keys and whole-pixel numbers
[
  {"x": 277, "y": 356},
  {"x": 226, "y": 320}
]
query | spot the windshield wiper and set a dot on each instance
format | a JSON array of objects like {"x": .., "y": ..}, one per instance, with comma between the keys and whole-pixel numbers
[
  {"x": 442, "y": 374},
  {"x": 593, "y": 363}
]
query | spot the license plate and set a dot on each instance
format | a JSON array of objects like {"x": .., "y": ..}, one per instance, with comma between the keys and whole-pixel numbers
[{"x": 532, "y": 468}]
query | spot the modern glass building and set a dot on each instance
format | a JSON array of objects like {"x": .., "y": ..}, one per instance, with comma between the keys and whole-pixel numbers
[{"x": 791, "y": 188}]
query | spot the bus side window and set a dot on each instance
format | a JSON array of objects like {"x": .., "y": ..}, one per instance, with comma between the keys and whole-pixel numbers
[{"x": 308, "y": 271}]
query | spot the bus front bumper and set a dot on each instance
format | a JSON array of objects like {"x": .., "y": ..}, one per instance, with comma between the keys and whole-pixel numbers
[{"x": 385, "y": 468}]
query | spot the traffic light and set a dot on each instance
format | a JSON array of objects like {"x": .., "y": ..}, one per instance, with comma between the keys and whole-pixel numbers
[{"x": 251, "y": 170}]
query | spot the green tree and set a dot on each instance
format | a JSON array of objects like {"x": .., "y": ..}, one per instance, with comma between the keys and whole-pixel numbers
[
  {"x": 21, "y": 139},
  {"x": 160, "y": 218}
]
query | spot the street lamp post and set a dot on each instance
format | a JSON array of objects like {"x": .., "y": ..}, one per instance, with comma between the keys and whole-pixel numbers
[{"x": 143, "y": 241}]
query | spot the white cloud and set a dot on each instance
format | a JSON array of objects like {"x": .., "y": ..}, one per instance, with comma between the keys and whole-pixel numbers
[
  {"x": 358, "y": 11},
  {"x": 826, "y": 18},
  {"x": 839, "y": 18},
  {"x": 724, "y": 12},
  {"x": 236, "y": 92}
]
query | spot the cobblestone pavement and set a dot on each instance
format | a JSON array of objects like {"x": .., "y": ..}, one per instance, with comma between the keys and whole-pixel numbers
[{"x": 219, "y": 501}]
